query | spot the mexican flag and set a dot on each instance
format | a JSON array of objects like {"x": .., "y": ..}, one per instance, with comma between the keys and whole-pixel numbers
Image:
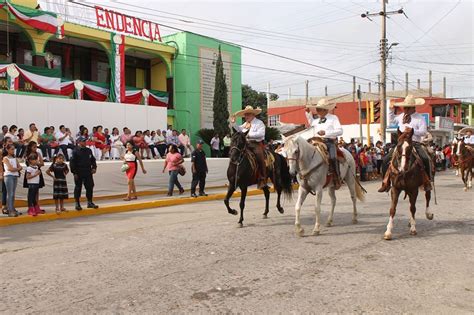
[
  {"x": 117, "y": 82},
  {"x": 38, "y": 19}
]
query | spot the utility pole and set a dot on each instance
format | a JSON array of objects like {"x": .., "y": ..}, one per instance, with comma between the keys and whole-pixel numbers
[
  {"x": 359, "y": 96},
  {"x": 383, "y": 62},
  {"x": 370, "y": 87},
  {"x": 353, "y": 89},
  {"x": 407, "y": 89},
  {"x": 326, "y": 90},
  {"x": 431, "y": 84},
  {"x": 268, "y": 95},
  {"x": 418, "y": 84},
  {"x": 289, "y": 93},
  {"x": 444, "y": 87},
  {"x": 306, "y": 91},
  {"x": 393, "y": 85}
]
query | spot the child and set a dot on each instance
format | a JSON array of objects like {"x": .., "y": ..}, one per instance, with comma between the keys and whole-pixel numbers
[
  {"x": 60, "y": 192},
  {"x": 33, "y": 179}
]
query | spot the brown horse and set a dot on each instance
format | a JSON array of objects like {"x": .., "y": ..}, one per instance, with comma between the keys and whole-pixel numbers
[
  {"x": 406, "y": 174},
  {"x": 465, "y": 157}
]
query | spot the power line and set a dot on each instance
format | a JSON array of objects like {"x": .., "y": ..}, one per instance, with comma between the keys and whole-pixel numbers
[{"x": 437, "y": 63}]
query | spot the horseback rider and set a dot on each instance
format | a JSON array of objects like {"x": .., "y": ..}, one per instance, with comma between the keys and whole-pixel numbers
[
  {"x": 256, "y": 137},
  {"x": 409, "y": 119},
  {"x": 469, "y": 137},
  {"x": 327, "y": 127}
]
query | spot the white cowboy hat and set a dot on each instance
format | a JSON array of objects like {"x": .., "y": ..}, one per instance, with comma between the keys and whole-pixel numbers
[
  {"x": 323, "y": 103},
  {"x": 248, "y": 110},
  {"x": 466, "y": 129},
  {"x": 411, "y": 101}
]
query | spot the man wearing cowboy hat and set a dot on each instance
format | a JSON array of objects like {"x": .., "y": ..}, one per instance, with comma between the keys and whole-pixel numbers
[
  {"x": 328, "y": 127},
  {"x": 256, "y": 135},
  {"x": 408, "y": 119},
  {"x": 468, "y": 137}
]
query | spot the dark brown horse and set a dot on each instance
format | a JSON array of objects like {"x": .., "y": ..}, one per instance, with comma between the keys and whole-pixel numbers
[
  {"x": 242, "y": 173},
  {"x": 406, "y": 174},
  {"x": 465, "y": 159}
]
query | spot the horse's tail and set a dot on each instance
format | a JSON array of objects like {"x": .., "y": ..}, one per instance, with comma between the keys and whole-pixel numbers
[
  {"x": 359, "y": 190},
  {"x": 285, "y": 177}
]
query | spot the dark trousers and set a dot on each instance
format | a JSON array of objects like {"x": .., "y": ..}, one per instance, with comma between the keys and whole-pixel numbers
[
  {"x": 421, "y": 152},
  {"x": 214, "y": 153},
  {"x": 33, "y": 191},
  {"x": 379, "y": 166},
  {"x": 4, "y": 194},
  {"x": 47, "y": 151},
  {"x": 198, "y": 178},
  {"x": 161, "y": 149},
  {"x": 363, "y": 174},
  {"x": 64, "y": 148},
  {"x": 152, "y": 149},
  {"x": 88, "y": 182},
  {"x": 226, "y": 151},
  {"x": 331, "y": 145},
  {"x": 181, "y": 149},
  {"x": 20, "y": 150}
]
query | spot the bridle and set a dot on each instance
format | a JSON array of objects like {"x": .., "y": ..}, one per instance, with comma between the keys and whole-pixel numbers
[{"x": 304, "y": 175}]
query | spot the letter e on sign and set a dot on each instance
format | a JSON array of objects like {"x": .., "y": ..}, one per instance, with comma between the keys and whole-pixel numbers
[{"x": 99, "y": 13}]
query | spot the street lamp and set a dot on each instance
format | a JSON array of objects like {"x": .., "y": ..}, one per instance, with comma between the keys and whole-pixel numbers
[{"x": 392, "y": 45}]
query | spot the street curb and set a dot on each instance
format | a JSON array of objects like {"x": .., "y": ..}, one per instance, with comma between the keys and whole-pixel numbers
[{"x": 119, "y": 208}]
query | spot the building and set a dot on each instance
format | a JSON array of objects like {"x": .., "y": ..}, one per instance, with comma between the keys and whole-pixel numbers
[
  {"x": 443, "y": 115},
  {"x": 116, "y": 71}
]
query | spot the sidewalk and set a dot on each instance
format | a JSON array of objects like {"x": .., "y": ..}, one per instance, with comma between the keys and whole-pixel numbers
[{"x": 109, "y": 204}]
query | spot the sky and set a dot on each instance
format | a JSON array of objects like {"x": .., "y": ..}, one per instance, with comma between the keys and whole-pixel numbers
[{"x": 436, "y": 35}]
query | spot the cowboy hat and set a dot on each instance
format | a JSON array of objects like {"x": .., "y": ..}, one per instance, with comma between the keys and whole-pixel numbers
[
  {"x": 466, "y": 129},
  {"x": 411, "y": 101},
  {"x": 248, "y": 110},
  {"x": 323, "y": 104}
]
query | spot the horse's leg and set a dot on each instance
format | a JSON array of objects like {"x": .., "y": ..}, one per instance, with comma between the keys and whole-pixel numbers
[
  {"x": 317, "y": 211},
  {"x": 428, "y": 214},
  {"x": 279, "y": 207},
  {"x": 301, "y": 198},
  {"x": 230, "y": 191},
  {"x": 243, "y": 195},
  {"x": 464, "y": 174},
  {"x": 351, "y": 183},
  {"x": 469, "y": 182},
  {"x": 332, "y": 195},
  {"x": 393, "y": 208},
  {"x": 266, "y": 192},
  {"x": 412, "y": 197}
]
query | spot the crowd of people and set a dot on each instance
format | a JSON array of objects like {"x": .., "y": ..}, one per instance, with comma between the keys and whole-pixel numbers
[{"x": 82, "y": 151}]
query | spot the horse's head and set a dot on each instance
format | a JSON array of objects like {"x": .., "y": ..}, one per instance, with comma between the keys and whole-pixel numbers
[
  {"x": 404, "y": 148},
  {"x": 238, "y": 145},
  {"x": 460, "y": 146},
  {"x": 292, "y": 154}
]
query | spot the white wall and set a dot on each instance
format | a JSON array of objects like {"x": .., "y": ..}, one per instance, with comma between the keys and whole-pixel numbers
[
  {"x": 22, "y": 110},
  {"x": 353, "y": 131}
]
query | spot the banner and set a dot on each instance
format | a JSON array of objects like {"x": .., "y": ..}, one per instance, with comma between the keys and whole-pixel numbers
[
  {"x": 158, "y": 99},
  {"x": 117, "y": 82}
]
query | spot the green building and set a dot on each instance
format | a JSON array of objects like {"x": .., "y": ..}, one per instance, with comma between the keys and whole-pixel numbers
[{"x": 194, "y": 77}]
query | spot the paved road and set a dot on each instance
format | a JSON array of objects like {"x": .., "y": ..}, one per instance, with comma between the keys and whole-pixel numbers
[{"x": 194, "y": 259}]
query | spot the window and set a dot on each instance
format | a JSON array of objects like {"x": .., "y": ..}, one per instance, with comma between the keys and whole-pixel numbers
[
  {"x": 442, "y": 111},
  {"x": 273, "y": 120}
]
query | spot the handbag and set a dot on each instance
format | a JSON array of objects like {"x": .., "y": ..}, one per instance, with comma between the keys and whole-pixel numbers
[
  {"x": 182, "y": 170},
  {"x": 125, "y": 167}
]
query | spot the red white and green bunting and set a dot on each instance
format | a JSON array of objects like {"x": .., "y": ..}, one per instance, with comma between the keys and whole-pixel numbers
[
  {"x": 38, "y": 19},
  {"x": 158, "y": 99},
  {"x": 117, "y": 82},
  {"x": 50, "y": 85},
  {"x": 96, "y": 92}
]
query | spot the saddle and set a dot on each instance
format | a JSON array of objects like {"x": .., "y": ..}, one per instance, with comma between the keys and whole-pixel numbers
[{"x": 322, "y": 148}]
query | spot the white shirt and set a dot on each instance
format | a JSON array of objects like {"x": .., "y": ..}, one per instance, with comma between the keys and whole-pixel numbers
[
  {"x": 32, "y": 170},
  {"x": 417, "y": 123},
  {"x": 469, "y": 139},
  {"x": 215, "y": 143},
  {"x": 65, "y": 141},
  {"x": 148, "y": 140},
  {"x": 331, "y": 125},
  {"x": 256, "y": 131}
]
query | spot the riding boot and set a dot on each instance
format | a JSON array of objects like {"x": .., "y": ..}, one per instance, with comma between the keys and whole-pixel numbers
[
  {"x": 385, "y": 183},
  {"x": 336, "y": 174}
]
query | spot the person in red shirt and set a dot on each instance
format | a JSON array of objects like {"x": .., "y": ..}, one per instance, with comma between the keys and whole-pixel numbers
[
  {"x": 100, "y": 141},
  {"x": 447, "y": 155}
]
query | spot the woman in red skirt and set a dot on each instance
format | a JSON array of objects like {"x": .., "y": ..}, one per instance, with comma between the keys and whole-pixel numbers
[
  {"x": 130, "y": 158},
  {"x": 100, "y": 141}
]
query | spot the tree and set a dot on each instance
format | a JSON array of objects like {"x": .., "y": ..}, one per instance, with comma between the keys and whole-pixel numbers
[
  {"x": 256, "y": 99},
  {"x": 220, "y": 105}
]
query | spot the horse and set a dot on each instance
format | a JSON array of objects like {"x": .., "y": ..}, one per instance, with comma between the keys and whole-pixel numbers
[
  {"x": 465, "y": 162},
  {"x": 242, "y": 173},
  {"x": 406, "y": 175},
  {"x": 312, "y": 170},
  {"x": 454, "y": 149}
]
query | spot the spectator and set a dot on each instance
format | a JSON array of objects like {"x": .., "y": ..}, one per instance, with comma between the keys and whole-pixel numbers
[
  {"x": 199, "y": 169},
  {"x": 447, "y": 155},
  {"x": 126, "y": 136},
  {"x": 150, "y": 145},
  {"x": 227, "y": 140},
  {"x": 439, "y": 157},
  {"x": 79, "y": 133},
  {"x": 184, "y": 143},
  {"x": 64, "y": 138},
  {"x": 173, "y": 163},
  {"x": 160, "y": 143},
  {"x": 130, "y": 159},
  {"x": 215, "y": 144},
  {"x": 12, "y": 134},
  {"x": 173, "y": 139},
  {"x": 107, "y": 137},
  {"x": 379, "y": 153},
  {"x": 83, "y": 166},
  {"x": 47, "y": 143},
  {"x": 117, "y": 147},
  {"x": 3, "y": 133},
  {"x": 6, "y": 142},
  {"x": 100, "y": 141},
  {"x": 58, "y": 171},
  {"x": 32, "y": 177},
  {"x": 139, "y": 142},
  {"x": 363, "y": 162},
  {"x": 21, "y": 147},
  {"x": 12, "y": 168},
  {"x": 31, "y": 134},
  {"x": 32, "y": 149}
]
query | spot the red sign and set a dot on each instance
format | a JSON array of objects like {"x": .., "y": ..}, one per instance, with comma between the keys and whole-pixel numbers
[{"x": 127, "y": 24}]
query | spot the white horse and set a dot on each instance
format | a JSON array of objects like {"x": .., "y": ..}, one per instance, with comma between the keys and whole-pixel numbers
[{"x": 312, "y": 170}]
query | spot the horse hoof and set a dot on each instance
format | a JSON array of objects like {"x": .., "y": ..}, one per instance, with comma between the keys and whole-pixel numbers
[
  {"x": 354, "y": 221},
  {"x": 465, "y": 188},
  {"x": 240, "y": 225},
  {"x": 281, "y": 210},
  {"x": 413, "y": 233},
  {"x": 328, "y": 224},
  {"x": 387, "y": 237},
  {"x": 315, "y": 233},
  {"x": 430, "y": 216},
  {"x": 264, "y": 216},
  {"x": 299, "y": 231},
  {"x": 233, "y": 212}
]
